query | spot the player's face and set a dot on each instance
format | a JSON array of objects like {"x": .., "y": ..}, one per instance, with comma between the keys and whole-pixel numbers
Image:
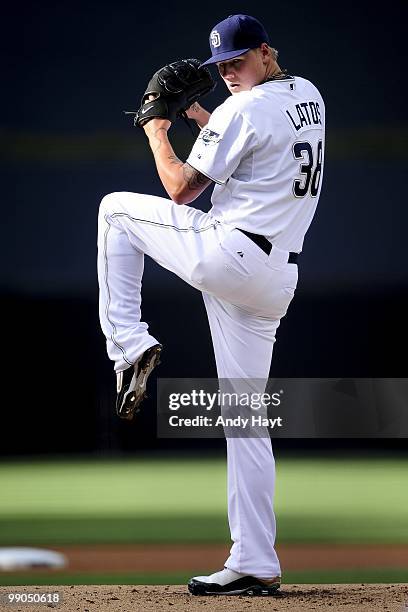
[{"x": 243, "y": 72}]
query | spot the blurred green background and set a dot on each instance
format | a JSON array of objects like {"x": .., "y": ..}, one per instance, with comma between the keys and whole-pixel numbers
[{"x": 178, "y": 500}]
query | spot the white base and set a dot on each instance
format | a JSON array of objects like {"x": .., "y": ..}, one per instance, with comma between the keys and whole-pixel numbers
[{"x": 18, "y": 558}]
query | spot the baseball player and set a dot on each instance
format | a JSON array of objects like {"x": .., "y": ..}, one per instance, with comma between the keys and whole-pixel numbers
[{"x": 262, "y": 151}]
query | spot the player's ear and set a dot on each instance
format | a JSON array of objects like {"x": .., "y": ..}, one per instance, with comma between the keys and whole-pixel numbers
[{"x": 264, "y": 52}]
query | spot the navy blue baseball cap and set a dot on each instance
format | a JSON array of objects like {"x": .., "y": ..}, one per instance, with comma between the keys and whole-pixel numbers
[{"x": 234, "y": 36}]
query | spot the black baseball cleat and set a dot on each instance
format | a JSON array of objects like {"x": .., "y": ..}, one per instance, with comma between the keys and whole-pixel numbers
[
  {"x": 228, "y": 582},
  {"x": 131, "y": 383}
]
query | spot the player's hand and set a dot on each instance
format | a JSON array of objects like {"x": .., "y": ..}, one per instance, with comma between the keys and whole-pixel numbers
[
  {"x": 151, "y": 126},
  {"x": 175, "y": 88}
]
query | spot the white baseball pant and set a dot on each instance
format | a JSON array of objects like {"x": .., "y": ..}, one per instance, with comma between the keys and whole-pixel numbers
[{"x": 246, "y": 293}]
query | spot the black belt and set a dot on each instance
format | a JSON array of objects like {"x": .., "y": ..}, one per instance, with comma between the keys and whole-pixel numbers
[{"x": 266, "y": 246}]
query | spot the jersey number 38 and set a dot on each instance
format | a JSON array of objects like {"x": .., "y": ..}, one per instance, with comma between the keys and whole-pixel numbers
[{"x": 310, "y": 170}]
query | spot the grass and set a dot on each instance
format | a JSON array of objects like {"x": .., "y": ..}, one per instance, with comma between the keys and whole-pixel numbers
[{"x": 184, "y": 500}]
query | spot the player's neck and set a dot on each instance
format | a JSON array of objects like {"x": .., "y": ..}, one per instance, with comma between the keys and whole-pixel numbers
[{"x": 273, "y": 71}]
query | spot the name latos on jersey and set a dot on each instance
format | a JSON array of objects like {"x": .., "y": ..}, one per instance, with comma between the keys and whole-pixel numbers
[{"x": 303, "y": 116}]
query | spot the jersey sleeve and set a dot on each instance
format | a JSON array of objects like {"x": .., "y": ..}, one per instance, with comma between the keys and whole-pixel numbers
[{"x": 222, "y": 143}]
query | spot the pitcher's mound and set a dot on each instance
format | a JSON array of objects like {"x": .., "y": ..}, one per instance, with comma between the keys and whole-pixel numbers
[{"x": 139, "y": 598}]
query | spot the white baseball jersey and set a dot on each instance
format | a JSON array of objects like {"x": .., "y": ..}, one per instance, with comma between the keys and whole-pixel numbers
[{"x": 264, "y": 149}]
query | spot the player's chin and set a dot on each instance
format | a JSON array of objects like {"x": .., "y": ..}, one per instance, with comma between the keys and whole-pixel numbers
[{"x": 235, "y": 88}]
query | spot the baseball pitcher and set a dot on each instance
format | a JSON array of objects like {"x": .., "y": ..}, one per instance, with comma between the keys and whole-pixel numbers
[{"x": 262, "y": 151}]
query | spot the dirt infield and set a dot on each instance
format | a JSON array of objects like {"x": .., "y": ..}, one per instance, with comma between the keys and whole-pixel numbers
[
  {"x": 297, "y": 598},
  {"x": 164, "y": 558}
]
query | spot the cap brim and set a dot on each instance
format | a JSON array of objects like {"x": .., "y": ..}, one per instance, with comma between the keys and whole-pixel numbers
[{"x": 221, "y": 57}]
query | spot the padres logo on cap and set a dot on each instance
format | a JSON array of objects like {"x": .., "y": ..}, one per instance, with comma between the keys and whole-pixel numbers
[{"x": 215, "y": 38}]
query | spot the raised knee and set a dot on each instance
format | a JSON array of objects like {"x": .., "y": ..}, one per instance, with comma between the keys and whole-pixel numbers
[{"x": 107, "y": 201}]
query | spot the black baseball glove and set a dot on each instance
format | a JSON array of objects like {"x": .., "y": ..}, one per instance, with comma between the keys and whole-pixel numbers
[{"x": 175, "y": 88}]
